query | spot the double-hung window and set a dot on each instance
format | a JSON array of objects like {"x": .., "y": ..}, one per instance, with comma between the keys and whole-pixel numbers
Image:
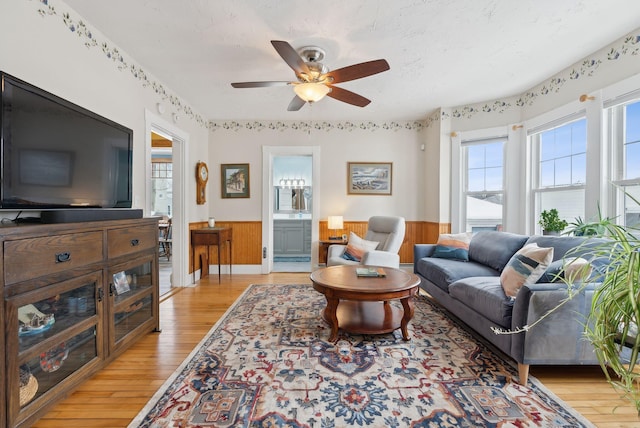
[
  {"x": 483, "y": 184},
  {"x": 624, "y": 139},
  {"x": 559, "y": 169},
  {"x": 161, "y": 184}
]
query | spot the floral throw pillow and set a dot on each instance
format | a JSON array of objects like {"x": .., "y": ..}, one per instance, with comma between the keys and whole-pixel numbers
[
  {"x": 357, "y": 247},
  {"x": 453, "y": 246},
  {"x": 525, "y": 267}
]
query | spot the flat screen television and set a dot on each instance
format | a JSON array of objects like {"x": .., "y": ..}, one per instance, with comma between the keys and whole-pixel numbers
[{"x": 56, "y": 154}]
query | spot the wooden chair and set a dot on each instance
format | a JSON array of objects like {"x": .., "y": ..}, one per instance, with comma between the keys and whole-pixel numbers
[{"x": 165, "y": 240}]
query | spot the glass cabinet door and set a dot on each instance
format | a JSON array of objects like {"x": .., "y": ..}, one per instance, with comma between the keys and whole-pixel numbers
[
  {"x": 132, "y": 295},
  {"x": 56, "y": 336}
]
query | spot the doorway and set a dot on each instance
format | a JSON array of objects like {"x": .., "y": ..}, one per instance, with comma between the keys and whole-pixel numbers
[
  {"x": 311, "y": 203},
  {"x": 292, "y": 190},
  {"x": 179, "y": 276},
  {"x": 161, "y": 204}
]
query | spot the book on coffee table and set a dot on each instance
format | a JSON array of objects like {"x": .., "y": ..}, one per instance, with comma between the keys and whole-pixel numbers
[{"x": 371, "y": 272}]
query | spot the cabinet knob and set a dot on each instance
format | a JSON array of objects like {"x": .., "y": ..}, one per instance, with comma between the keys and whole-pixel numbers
[
  {"x": 63, "y": 257},
  {"x": 135, "y": 242}
]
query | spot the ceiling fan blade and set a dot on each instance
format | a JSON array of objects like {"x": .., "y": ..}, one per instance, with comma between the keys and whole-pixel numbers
[
  {"x": 290, "y": 56},
  {"x": 348, "y": 97},
  {"x": 358, "y": 71},
  {"x": 296, "y": 104},
  {"x": 258, "y": 84}
]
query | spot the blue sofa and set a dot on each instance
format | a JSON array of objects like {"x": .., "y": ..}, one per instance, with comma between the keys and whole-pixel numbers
[{"x": 471, "y": 290}]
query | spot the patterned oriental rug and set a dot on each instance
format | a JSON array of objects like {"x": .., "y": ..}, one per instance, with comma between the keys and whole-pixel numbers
[{"x": 266, "y": 363}]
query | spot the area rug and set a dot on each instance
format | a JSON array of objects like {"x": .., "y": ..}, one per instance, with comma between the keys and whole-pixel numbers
[
  {"x": 300, "y": 259},
  {"x": 267, "y": 363}
]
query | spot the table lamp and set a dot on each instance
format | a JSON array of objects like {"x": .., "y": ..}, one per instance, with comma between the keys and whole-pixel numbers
[{"x": 335, "y": 223}]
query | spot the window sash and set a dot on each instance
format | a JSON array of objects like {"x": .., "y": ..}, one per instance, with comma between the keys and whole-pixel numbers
[{"x": 490, "y": 222}]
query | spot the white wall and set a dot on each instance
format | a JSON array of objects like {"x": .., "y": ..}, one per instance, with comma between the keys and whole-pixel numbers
[{"x": 242, "y": 143}]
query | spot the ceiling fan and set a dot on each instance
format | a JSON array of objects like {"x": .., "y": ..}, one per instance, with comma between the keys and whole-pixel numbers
[{"x": 314, "y": 80}]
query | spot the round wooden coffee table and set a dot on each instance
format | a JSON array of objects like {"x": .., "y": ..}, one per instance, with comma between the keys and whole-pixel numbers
[{"x": 361, "y": 304}]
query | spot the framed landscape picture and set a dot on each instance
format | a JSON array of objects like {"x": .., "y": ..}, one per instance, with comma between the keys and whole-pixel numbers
[
  {"x": 369, "y": 178},
  {"x": 235, "y": 180}
]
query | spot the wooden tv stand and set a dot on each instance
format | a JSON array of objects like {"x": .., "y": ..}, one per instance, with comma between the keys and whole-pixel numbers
[{"x": 89, "y": 291}]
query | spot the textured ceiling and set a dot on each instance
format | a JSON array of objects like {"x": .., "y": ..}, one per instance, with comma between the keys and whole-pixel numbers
[{"x": 441, "y": 52}]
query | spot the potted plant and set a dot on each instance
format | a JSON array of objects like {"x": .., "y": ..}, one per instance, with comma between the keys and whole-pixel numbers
[
  {"x": 579, "y": 227},
  {"x": 551, "y": 222},
  {"x": 615, "y": 311}
]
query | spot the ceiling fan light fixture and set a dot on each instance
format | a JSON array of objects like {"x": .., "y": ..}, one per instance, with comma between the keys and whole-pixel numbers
[{"x": 311, "y": 92}]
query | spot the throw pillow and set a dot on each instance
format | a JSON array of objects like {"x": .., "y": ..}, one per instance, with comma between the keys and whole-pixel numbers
[
  {"x": 453, "y": 246},
  {"x": 525, "y": 267},
  {"x": 576, "y": 269},
  {"x": 357, "y": 247},
  {"x": 570, "y": 268},
  {"x": 553, "y": 273}
]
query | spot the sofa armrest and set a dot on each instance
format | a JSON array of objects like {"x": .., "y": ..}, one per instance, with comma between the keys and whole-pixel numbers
[
  {"x": 381, "y": 258},
  {"x": 559, "y": 334},
  {"x": 420, "y": 251}
]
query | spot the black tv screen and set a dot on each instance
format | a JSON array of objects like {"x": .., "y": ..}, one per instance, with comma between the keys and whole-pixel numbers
[{"x": 56, "y": 154}]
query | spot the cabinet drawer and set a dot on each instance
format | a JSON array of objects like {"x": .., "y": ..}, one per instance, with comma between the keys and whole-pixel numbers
[
  {"x": 129, "y": 240},
  {"x": 34, "y": 257}
]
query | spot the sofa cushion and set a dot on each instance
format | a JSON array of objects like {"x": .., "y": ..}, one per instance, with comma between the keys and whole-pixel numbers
[
  {"x": 485, "y": 296},
  {"x": 443, "y": 272},
  {"x": 561, "y": 244},
  {"x": 453, "y": 246},
  {"x": 495, "y": 249},
  {"x": 357, "y": 247},
  {"x": 525, "y": 267}
]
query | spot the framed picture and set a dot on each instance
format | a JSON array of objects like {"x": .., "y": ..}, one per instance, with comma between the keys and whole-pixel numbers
[
  {"x": 369, "y": 178},
  {"x": 235, "y": 180}
]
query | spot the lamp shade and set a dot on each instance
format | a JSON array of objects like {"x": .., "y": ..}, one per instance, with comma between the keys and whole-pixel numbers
[
  {"x": 335, "y": 222},
  {"x": 311, "y": 92}
]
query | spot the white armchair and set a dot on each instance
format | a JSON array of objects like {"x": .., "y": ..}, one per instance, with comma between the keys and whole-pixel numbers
[{"x": 388, "y": 232}]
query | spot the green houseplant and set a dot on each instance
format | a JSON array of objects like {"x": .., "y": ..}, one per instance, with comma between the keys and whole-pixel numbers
[
  {"x": 551, "y": 222},
  {"x": 579, "y": 227},
  {"x": 615, "y": 311}
]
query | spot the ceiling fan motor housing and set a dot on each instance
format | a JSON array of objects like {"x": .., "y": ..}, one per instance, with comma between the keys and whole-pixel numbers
[{"x": 312, "y": 55}]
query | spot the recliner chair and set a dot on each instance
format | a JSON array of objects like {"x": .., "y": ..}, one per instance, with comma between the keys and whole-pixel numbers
[{"x": 388, "y": 232}]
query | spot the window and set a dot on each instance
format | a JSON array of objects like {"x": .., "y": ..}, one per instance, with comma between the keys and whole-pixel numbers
[
  {"x": 162, "y": 170},
  {"x": 624, "y": 125},
  {"x": 483, "y": 184},
  {"x": 560, "y": 161},
  {"x": 162, "y": 186}
]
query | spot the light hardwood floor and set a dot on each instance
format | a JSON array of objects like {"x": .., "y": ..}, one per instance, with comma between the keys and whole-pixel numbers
[{"x": 114, "y": 396}]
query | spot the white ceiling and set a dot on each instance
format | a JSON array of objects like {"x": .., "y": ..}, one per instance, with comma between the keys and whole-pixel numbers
[{"x": 441, "y": 52}]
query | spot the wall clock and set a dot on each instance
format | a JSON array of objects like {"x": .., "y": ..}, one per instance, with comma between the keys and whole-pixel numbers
[{"x": 202, "y": 176}]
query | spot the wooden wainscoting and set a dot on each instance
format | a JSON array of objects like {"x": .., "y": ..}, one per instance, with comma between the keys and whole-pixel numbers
[
  {"x": 247, "y": 239},
  {"x": 246, "y": 245}
]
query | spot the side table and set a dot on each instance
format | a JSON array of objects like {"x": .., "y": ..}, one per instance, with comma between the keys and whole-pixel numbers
[
  {"x": 210, "y": 236},
  {"x": 323, "y": 248}
]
